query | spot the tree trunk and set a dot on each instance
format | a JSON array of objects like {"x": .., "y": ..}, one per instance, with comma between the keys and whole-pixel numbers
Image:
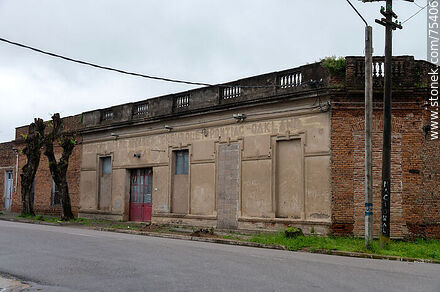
[
  {"x": 58, "y": 169},
  {"x": 65, "y": 201},
  {"x": 26, "y": 193},
  {"x": 32, "y": 150}
]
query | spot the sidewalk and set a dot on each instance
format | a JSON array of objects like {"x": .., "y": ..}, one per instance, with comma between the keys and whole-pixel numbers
[{"x": 11, "y": 285}]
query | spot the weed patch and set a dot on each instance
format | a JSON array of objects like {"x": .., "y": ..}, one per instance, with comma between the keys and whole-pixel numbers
[{"x": 420, "y": 248}]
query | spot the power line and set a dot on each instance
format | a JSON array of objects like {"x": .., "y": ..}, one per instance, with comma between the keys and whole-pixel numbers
[
  {"x": 309, "y": 82},
  {"x": 102, "y": 67},
  {"x": 415, "y": 3},
  {"x": 357, "y": 12},
  {"x": 416, "y": 12}
]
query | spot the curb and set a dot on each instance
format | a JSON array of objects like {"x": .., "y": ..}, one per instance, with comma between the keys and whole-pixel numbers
[
  {"x": 238, "y": 243},
  {"x": 371, "y": 256},
  {"x": 31, "y": 221},
  {"x": 193, "y": 238}
]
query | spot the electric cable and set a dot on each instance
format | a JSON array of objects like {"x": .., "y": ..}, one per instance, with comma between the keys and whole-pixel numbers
[
  {"x": 363, "y": 19},
  {"x": 101, "y": 67},
  {"x": 230, "y": 85},
  {"x": 415, "y": 13}
]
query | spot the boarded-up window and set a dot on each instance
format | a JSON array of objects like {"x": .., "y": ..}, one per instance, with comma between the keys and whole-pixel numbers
[{"x": 182, "y": 162}]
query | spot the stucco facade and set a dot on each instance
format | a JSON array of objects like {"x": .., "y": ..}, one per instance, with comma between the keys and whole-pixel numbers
[
  {"x": 261, "y": 153},
  {"x": 281, "y": 167}
]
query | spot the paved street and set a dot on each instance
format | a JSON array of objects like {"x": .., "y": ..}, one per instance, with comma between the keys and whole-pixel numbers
[{"x": 72, "y": 259}]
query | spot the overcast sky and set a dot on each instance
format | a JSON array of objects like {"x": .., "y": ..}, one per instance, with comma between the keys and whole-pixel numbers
[{"x": 210, "y": 41}]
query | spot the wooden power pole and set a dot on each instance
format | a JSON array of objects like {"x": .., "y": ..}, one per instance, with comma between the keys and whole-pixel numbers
[{"x": 390, "y": 25}]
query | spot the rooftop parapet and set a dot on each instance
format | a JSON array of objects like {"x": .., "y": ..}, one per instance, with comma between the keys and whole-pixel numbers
[
  {"x": 274, "y": 85},
  {"x": 406, "y": 72}
]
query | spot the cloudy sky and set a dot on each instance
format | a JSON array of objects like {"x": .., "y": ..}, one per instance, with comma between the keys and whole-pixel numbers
[{"x": 210, "y": 41}]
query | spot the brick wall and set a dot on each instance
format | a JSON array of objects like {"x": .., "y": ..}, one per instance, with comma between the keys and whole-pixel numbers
[
  {"x": 410, "y": 201},
  {"x": 415, "y": 161},
  {"x": 342, "y": 164},
  {"x": 7, "y": 163},
  {"x": 427, "y": 221},
  {"x": 43, "y": 178}
]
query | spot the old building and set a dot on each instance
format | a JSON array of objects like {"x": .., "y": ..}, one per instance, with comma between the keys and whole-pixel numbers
[
  {"x": 8, "y": 163},
  {"x": 265, "y": 152},
  {"x": 45, "y": 196},
  {"x": 415, "y": 193},
  {"x": 289, "y": 152},
  {"x": 224, "y": 156}
]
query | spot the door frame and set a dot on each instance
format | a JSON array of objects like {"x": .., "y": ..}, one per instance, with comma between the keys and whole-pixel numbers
[
  {"x": 11, "y": 187},
  {"x": 143, "y": 196},
  {"x": 171, "y": 172},
  {"x": 99, "y": 158},
  {"x": 301, "y": 136}
]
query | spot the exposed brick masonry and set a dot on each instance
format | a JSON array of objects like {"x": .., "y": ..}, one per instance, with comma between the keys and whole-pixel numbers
[
  {"x": 415, "y": 201},
  {"x": 7, "y": 163},
  {"x": 43, "y": 178}
]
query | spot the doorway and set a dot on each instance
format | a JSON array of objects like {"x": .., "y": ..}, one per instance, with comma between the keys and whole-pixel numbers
[
  {"x": 228, "y": 185},
  {"x": 180, "y": 183},
  {"x": 9, "y": 182},
  {"x": 105, "y": 183},
  {"x": 289, "y": 182},
  {"x": 141, "y": 186}
]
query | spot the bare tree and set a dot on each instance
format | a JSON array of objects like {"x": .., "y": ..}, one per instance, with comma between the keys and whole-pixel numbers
[
  {"x": 32, "y": 150},
  {"x": 58, "y": 169}
]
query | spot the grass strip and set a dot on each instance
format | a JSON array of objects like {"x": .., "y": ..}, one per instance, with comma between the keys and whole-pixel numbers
[{"x": 418, "y": 248}]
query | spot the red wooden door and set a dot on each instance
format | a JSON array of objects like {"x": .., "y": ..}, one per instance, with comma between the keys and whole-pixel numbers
[{"x": 141, "y": 186}]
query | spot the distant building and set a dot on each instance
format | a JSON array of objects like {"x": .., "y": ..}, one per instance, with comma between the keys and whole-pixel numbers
[{"x": 265, "y": 152}]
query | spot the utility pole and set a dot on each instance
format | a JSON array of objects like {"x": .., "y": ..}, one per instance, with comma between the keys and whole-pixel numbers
[
  {"x": 389, "y": 25},
  {"x": 368, "y": 138},
  {"x": 368, "y": 126}
]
